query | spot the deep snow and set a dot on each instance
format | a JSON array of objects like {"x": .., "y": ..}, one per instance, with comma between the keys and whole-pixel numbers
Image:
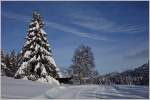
[
  {"x": 16, "y": 88},
  {"x": 21, "y": 89}
]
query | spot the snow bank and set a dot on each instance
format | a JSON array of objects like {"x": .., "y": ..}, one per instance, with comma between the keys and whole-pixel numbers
[
  {"x": 22, "y": 89},
  {"x": 50, "y": 80}
]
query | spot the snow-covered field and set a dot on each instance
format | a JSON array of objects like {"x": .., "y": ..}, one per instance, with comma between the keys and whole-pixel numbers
[{"x": 14, "y": 89}]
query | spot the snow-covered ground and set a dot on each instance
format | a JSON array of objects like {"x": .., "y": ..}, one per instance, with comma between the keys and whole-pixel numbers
[
  {"x": 21, "y": 89},
  {"x": 97, "y": 92},
  {"x": 12, "y": 88}
]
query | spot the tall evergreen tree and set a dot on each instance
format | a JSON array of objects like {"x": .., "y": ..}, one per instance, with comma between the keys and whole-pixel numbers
[{"x": 36, "y": 60}]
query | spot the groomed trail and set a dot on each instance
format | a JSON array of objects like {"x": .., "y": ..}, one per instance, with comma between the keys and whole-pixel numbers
[{"x": 97, "y": 92}]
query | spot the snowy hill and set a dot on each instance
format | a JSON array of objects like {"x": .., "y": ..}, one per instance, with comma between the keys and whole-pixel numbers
[{"x": 23, "y": 89}]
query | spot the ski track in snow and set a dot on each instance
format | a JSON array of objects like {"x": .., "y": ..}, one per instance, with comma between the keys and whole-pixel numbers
[
  {"x": 97, "y": 92},
  {"x": 24, "y": 89}
]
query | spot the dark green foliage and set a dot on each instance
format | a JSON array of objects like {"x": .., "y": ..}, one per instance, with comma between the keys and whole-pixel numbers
[{"x": 10, "y": 63}]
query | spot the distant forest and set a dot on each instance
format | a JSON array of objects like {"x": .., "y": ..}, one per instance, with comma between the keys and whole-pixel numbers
[{"x": 137, "y": 76}]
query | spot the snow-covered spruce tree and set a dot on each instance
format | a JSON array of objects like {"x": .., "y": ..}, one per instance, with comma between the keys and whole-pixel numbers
[{"x": 37, "y": 62}]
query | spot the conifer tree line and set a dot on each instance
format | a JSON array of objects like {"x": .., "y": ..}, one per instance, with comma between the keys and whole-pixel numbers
[
  {"x": 9, "y": 63},
  {"x": 137, "y": 76}
]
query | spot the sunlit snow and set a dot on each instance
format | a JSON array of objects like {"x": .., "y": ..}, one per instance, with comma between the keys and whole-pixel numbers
[{"x": 22, "y": 89}]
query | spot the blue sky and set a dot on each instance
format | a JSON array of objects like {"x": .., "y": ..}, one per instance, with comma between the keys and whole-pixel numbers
[{"x": 117, "y": 32}]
